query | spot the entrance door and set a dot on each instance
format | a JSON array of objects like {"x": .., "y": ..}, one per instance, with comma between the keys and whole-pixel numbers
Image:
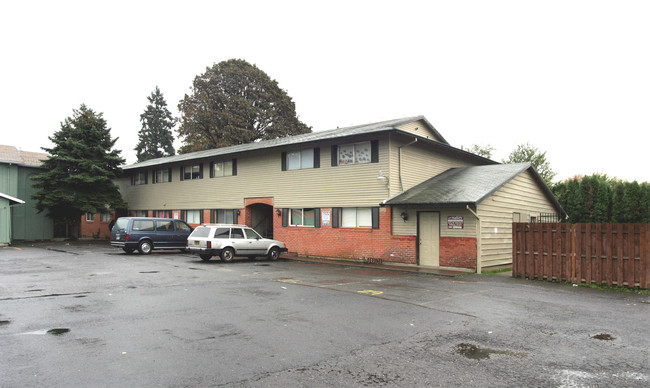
[{"x": 429, "y": 238}]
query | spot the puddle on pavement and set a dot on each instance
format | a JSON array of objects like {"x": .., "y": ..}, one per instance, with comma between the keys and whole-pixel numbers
[
  {"x": 149, "y": 271},
  {"x": 4, "y": 322},
  {"x": 474, "y": 352},
  {"x": 60, "y": 331},
  {"x": 604, "y": 337},
  {"x": 262, "y": 264}
]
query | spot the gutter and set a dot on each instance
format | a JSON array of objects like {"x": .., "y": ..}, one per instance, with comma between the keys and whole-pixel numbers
[{"x": 478, "y": 239}]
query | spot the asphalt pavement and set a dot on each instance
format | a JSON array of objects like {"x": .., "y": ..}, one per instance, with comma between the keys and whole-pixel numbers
[{"x": 87, "y": 315}]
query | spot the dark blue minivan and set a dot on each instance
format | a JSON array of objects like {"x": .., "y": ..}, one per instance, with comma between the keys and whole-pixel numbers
[{"x": 146, "y": 234}]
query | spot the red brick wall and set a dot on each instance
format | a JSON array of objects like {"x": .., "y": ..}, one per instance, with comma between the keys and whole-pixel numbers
[
  {"x": 95, "y": 228},
  {"x": 351, "y": 243},
  {"x": 458, "y": 252}
]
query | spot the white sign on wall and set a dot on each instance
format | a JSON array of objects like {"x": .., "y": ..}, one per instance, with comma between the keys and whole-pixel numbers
[
  {"x": 325, "y": 217},
  {"x": 455, "y": 222}
]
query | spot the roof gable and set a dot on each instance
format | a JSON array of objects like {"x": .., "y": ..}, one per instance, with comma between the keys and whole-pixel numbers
[{"x": 467, "y": 186}]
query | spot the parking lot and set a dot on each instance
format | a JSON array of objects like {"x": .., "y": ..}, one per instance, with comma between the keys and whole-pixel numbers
[{"x": 86, "y": 314}]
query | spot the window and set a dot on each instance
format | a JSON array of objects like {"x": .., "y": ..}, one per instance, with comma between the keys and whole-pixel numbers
[
  {"x": 192, "y": 172},
  {"x": 106, "y": 217},
  {"x": 302, "y": 217},
  {"x": 224, "y": 216},
  {"x": 165, "y": 225},
  {"x": 236, "y": 233},
  {"x": 355, "y": 217},
  {"x": 296, "y": 160},
  {"x": 252, "y": 235},
  {"x": 142, "y": 225},
  {"x": 139, "y": 178},
  {"x": 141, "y": 213},
  {"x": 225, "y": 168},
  {"x": 162, "y": 176},
  {"x": 162, "y": 213},
  {"x": 182, "y": 226},
  {"x": 356, "y": 153},
  {"x": 359, "y": 217},
  {"x": 222, "y": 233},
  {"x": 90, "y": 217},
  {"x": 193, "y": 216}
]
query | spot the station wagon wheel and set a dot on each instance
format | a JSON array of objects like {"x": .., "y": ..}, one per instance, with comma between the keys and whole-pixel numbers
[
  {"x": 227, "y": 254},
  {"x": 274, "y": 254},
  {"x": 205, "y": 256},
  {"x": 145, "y": 247},
  {"x": 128, "y": 250}
]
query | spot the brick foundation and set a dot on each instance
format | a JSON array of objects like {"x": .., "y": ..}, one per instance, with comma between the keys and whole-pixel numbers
[{"x": 458, "y": 252}]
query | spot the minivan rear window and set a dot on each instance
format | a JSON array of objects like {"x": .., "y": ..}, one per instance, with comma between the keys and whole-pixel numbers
[{"x": 143, "y": 225}]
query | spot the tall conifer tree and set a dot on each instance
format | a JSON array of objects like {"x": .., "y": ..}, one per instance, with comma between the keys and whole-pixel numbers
[
  {"x": 80, "y": 170},
  {"x": 155, "y": 136}
]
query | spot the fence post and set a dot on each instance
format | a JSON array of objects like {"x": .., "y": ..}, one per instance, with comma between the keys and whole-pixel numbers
[{"x": 573, "y": 254}]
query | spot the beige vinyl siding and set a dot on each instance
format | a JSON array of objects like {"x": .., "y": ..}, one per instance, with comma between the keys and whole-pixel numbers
[
  {"x": 522, "y": 195},
  {"x": 419, "y": 128},
  {"x": 260, "y": 175},
  {"x": 409, "y": 228},
  {"x": 419, "y": 163}
]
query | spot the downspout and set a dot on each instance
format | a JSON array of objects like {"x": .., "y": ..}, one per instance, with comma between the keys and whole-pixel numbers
[
  {"x": 399, "y": 162},
  {"x": 478, "y": 239}
]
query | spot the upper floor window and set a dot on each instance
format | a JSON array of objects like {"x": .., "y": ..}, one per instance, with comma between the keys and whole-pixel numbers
[
  {"x": 194, "y": 171},
  {"x": 162, "y": 175},
  {"x": 139, "y": 178},
  {"x": 300, "y": 159},
  {"x": 355, "y": 153},
  {"x": 224, "y": 168},
  {"x": 90, "y": 217}
]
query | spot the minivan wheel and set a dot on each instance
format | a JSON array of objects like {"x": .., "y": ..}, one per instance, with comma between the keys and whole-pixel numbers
[
  {"x": 205, "y": 256},
  {"x": 274, "y": 253},
  {"x": 128, "y": 250},
  {"x": 145, "y": 247},
  {"x": 227, "y": 254}
]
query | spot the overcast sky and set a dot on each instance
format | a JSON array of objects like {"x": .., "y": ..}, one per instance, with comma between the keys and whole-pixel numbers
[{"x": 570, "y": 77}]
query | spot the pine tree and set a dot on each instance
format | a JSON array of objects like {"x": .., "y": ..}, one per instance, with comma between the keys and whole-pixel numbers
[
  {"x": 156, "y": 133},
  {"x": 80, "y": 170}
]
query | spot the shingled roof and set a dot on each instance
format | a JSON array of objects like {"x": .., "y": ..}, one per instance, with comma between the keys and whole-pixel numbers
[
  {"x": 382, "y": 126},
  {"x": 12, "y": 155},
  {"x": 467, "y": 186}
]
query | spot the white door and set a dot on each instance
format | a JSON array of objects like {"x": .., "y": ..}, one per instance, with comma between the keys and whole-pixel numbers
[{"x": 429, "y": 238}]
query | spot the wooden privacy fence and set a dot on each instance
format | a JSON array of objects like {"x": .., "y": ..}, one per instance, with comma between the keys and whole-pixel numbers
[{"x": 603, "y": 254}]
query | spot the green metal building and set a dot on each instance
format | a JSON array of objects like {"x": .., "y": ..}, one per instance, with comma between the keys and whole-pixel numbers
[{"x": 21, "y": 221}]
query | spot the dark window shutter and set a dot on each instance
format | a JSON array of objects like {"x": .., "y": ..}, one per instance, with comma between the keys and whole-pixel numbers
[
  {"x": 201, "y": 216},
  {"x": 317, "y": 218},
  {"x": 182, "y": 173},
  {"x": 374, "y": 151},
  {"x": 375, "y": 218},
  {"x": 316, "y": 157},
  {"x": 184, "y": 215},
  {"x": 201, "y": 171},
  {"x": 234, "y": 216},
  {"x": 132, "y": 179},
  {"x": 335, "y": 217},
  {"x": 285, "y": 217},
  {"x": 153, "y": 176},
  {"x": 169, "y": 174},
  {"x": 284, "y": 161},
  {"x": 335, "y": 156},
  {"x": 234, "y": 167},
  {"x": 211, "y": 169},
  {"x": 146, "y": 177}
]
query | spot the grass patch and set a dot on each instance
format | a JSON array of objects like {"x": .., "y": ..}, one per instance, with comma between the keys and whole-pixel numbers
[{"x": 496, "y": 271}]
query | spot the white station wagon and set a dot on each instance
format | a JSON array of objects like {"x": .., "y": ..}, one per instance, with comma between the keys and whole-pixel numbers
[{"x": 229, "y": 241}]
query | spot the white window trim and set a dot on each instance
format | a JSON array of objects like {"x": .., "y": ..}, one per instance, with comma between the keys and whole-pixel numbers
[
  {"x": 354, "y": 153},
  {"x": 140, "y": 178},
  {"x": 300, "y": 159},
  {"x": 302, "y": 219},
  {"x": 164, "y": 172},
  {"x": 356, "y": 211},
  {"x": 92, "y": 217},
  {"x": 224, "y": 171}
]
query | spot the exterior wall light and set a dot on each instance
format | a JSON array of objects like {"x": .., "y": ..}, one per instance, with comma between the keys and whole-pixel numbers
[
  {"x": 404, "y": 216},
  {"x": 279, "y": 212}
]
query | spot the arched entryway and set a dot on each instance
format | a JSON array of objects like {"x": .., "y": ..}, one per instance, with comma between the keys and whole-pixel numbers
[{"x": 261, "y": 218}]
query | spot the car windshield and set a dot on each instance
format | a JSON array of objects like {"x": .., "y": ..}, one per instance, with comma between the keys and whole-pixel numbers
[{"x": 121, "y": 223}]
